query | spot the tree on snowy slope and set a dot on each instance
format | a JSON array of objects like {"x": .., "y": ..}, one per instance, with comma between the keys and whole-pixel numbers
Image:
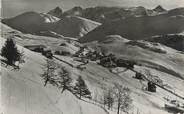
[
  {"x": 108, "y": 98},
  {"x": 122, "y": 97},
  {"x": 10, "y": 52},
  {"x": 49, "y": 72},
  {"x": 81, "y": 88},
  {"x": 63, "y": 79}
]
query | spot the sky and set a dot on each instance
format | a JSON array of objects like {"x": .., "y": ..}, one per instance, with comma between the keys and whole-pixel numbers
[{"x": 12, "y": 8}]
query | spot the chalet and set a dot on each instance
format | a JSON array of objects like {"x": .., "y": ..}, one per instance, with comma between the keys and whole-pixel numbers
[
  {"x": 139, "y": 76},
  {"x": 151, "y": 87},
  {"x": 64, "y": 53},
  {"x": 47, "y": 53},
  {"x": 125, "y": 63},
  {"x": 36, "y": 48},
  {"x": 107, "y": 62}
]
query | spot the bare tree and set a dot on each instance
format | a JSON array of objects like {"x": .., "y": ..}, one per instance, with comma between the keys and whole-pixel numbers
[
  {"x": 22, "y": 57},
  {"x": 96, "y": 96},
  {"x": 49, "y": 71},
  {"x": 123, "y": 99}
]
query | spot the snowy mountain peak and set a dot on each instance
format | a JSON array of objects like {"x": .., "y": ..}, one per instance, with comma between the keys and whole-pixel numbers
[
  {"x": 77, "y": 8},
  {"x": 57, "y": 12},
  {"x": 49, "y": 18},
  {"x": 75, "y": 11},
  {"x": 159, "y": 8}
]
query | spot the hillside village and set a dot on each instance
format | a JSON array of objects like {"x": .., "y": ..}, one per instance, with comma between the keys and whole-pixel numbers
[{"x": 94, "y": 61}]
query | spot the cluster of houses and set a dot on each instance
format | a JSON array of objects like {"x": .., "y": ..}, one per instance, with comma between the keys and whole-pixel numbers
[
  {"x": 109, "y": 61},
  {"x": 40, "y": 49}
]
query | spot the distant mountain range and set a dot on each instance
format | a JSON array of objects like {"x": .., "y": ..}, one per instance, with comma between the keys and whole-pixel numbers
[
  {"x": 45, "y": 24},
  {"x": 132, "y": 23},
  {"x": 138, "y": 27},
  {"x": 102, "y": 14}
]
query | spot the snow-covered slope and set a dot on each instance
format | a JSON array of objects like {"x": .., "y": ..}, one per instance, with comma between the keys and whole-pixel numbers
[
  {"x": 26, "y": 94},
  {"x": 71, "y": 105},
  {"x": 149, "y": 57},
  {"x": 152, "y": 55},
  {"x": 113, "y": 38},
  {"x": 55, "y": 44},
  {"x": 23, "y": 91}
]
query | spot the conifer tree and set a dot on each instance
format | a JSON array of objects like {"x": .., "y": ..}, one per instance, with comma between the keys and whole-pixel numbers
[
  {"x": 63, "y": 79},
  {"x": 10, "y": 52},
  {"x": 49, "y": 72},
  {"x": 108, "y": 98},
  {"x": 81, "y": 88}
]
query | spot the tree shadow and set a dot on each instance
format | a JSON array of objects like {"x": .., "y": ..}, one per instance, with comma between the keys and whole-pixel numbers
[{"x": 6, "y": 65}]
